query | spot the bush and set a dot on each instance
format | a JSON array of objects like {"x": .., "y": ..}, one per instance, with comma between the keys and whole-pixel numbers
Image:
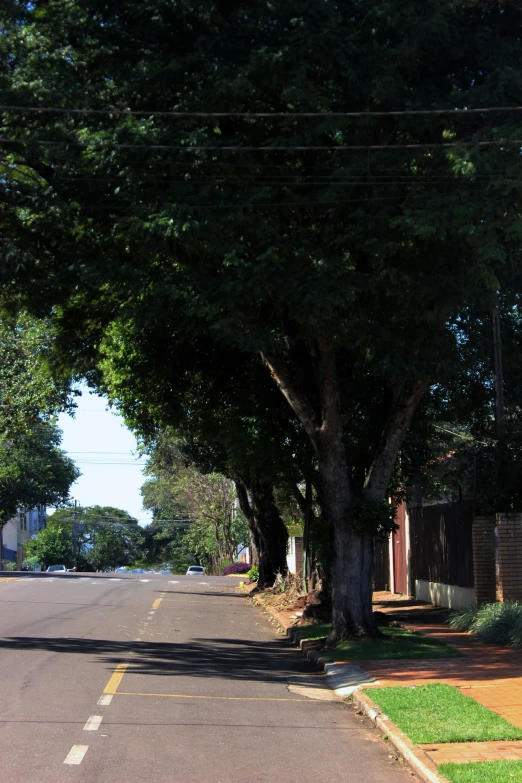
[
  {"x": 497, "y": 623},
  {"x": 464, "y": 618},
  {"x": 236, "y": 568},
  {"x": 253, "y": 574},
  {"x": 10, "y": 566}
]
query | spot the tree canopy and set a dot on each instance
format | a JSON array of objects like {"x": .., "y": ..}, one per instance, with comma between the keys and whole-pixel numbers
[
  {"x": 34, "y": 470},
  {"x": 93, "y": 538},
  {"x": 315, "y": 221}
]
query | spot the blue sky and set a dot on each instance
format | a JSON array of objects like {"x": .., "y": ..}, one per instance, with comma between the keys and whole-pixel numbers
[{"x": 105, "y": 452}]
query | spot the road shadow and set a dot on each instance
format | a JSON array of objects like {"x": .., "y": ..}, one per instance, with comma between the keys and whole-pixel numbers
[
  {"x": 213, "y": 593},
  {"x": 233, "y": 659}
]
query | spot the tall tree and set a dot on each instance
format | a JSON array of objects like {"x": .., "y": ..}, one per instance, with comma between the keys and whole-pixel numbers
[
  {"x": 33, "y": 469},
  {"x": 175, "y": 488},
  {"x": 95, "y": 537},
  {"x": 339, "y": 249}
]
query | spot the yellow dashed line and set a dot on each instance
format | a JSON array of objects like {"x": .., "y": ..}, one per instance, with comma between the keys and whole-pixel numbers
[
  {"x": 222, "y": 698},
  {"x": 157, "y": 603}
]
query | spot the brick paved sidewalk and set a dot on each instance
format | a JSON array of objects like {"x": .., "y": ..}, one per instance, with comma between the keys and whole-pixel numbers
[{"x": 489, "y": 674}]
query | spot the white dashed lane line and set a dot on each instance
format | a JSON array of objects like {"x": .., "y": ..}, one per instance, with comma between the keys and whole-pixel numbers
[
  {"x": 93, "y": 723},
  {"x": 104, "y": 700},
  {"x": 76, "y": 754}
]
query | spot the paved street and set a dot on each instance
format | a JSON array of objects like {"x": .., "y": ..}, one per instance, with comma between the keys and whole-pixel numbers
[{"x": 157, "y": 679}]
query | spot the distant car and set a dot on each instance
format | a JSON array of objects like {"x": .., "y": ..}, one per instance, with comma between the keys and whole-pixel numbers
[
  {"x": 195, "y": 571},
  {"x": 57, "y": 569}
]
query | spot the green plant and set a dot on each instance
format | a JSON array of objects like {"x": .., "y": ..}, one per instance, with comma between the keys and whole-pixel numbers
[
  {"x": 10, "y": 566},
  {"x": 463, "y": 619},
  {"x": 496, "y": 623},
  {"x": 441, "y": 713},
  {"x": 31, "y": 562},
  {"x": 483, "y": 772},
  {"x": 253, "y": 574}
]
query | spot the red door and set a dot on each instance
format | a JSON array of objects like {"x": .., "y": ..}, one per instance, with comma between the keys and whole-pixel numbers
[{"x": 400, "y": 566}]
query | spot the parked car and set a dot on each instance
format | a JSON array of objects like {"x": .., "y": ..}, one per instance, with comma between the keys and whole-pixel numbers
[
  {"x": 57, "y": 569},
  {"x": 195, "y": 571}
]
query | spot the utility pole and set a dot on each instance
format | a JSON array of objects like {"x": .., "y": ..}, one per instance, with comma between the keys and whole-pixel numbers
[
  {"x": 497, "y": 364},
  {"x": 74, "y": 533}
]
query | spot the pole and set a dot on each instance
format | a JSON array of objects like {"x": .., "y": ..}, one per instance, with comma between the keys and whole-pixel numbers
[
  {"x": 497, "y": 363},
  {"x": 74, "y": 533}
]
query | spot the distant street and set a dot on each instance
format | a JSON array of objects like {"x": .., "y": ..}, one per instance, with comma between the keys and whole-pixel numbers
[{"x": 163, "y": 679}]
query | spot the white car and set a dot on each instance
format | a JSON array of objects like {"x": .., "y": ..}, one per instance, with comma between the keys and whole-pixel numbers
[
  {"x": 57, "y": 569},
  {"x": 195, "y": 571}
]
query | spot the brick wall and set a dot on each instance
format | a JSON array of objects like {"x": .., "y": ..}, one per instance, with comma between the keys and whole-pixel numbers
[
  {"x": 509, "y": 530},
  {"x": 484, "y": 566}
]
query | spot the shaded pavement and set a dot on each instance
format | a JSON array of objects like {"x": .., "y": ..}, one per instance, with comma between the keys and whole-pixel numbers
[{"x": 164, "y": 679}]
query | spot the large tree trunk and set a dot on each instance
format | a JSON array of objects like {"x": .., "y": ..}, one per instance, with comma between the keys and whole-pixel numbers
[
  {"x": 352, "y": 564},
  {"x": 351, "y": 578},
  {"x": 266, "y": 527}
]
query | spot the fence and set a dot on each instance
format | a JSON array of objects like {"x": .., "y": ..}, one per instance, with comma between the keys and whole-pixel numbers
[{"x": 441, "y": 544}]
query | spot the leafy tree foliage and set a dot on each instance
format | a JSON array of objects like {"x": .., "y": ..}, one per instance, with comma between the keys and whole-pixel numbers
[
  {"x": 53, "y": 545},
  {"x": 33, "y": 469},
  {"x": 177, "y": 490},
  {"x": 340, "y": 250},
  {"x": 93, "y": 538}
]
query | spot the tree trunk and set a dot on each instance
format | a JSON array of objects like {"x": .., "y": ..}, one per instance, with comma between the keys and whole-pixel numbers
[
  {"x": 352, "y": 563},
  {"x": 266, "y": 527},
  {"x": 273, "y": 535},
  {"x": 351, "y": 567}
]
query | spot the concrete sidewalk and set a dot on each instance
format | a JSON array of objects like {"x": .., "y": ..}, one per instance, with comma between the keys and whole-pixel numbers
[{"x": 490, "y": 674}]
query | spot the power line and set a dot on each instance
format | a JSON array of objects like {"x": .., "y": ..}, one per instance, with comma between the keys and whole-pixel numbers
[
  {"x": 252, "y": 205},
  {"x": 100, "y": 452},
  {"x": 289, "y": 148},
  {"x": 254, "y": 115},
  {"x": 298, "y": 180},
  {"x": 460, "y": 435}
]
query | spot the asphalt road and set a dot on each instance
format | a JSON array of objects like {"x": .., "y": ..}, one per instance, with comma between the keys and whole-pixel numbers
[{"x": 163, "y": 679}]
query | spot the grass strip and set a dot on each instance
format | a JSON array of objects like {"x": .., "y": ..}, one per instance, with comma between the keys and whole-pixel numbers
[
  {"x": 441, "y": 713},
  {"x": 396, "y": 644},
  {"x": 483, "y": 772}
]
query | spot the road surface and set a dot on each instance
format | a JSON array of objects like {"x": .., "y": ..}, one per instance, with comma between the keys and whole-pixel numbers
[{"x": 163, "y": 679}]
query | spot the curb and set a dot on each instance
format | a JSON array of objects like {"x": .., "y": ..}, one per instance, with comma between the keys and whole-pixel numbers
[
  {"x": 415, "y": 757},
  {"x": 418, "y": 760},
  {"x": 308, "y": 648}
]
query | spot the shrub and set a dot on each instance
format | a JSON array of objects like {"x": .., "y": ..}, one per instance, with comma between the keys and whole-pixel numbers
[
  {"x": 253, "y": 574},
  {"x": 464, "y": 618},
  {"x": 10, "y": 566},
  {"x": 497, "y": 623},
  {"x": 236, "y": 568}
]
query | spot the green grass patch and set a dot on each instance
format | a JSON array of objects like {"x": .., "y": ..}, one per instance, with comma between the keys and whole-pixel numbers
[
  {"x": 441, "y": 713},
  {"x": 397, "y": 643},
  {"x": 483, "y": 772}
]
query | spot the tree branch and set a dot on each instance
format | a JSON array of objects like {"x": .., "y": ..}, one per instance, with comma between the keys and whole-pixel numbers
[
  {"x": 282, "y": 375},
  {"x": 304, "y": 505},
  {"x": 244, "y": 502},
  {"x": 328, "y": 387},
  {"x": 399, "y": 420}
]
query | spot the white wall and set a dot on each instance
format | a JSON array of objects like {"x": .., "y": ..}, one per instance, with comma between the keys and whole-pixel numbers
[
  {"x": 290, "y": 556},
  {"x": 10, "y": 536},
  {"x": 450, "y": 596}
]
